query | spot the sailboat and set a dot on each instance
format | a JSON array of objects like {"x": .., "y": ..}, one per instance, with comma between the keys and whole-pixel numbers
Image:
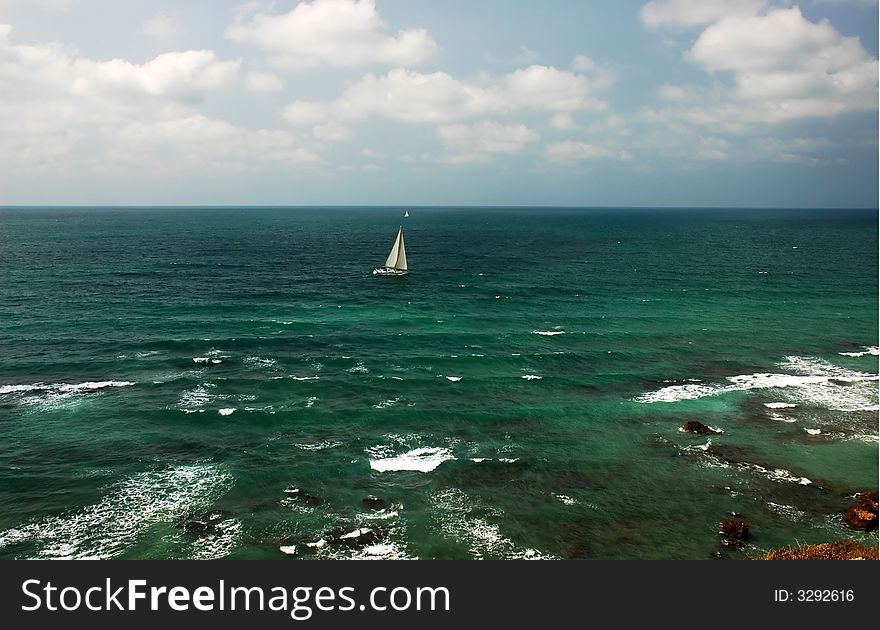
[
  {"x": 395, "y": 265},
  {"x": 405, "y": 214}
]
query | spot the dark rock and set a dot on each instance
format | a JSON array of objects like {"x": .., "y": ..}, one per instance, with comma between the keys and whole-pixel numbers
[
  {"x": 735, "y": 531},
  {"x": 311, "y": 500},
  {"x": 357, "y": 537},
  {"x": 374, "y": 503},
  {"x": 693, "y": 426},
  {"x": 217, "y": 515},
  {"x": 863, "y": 515},
  {"x": 197, "y": 527}
]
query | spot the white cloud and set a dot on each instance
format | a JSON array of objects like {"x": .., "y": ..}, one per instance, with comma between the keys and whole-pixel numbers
[
  {"x": 344, "y": 33},
  {"x": 437, "y": 97},
  {"x": 307, "y": 112},
  {"x": 563, "y": 121},
  {"x": 546, "y": 87},
  {"x": 43, "y": 4},
  {"x": 572, "y": 151},
  {"x": 582, "y": 62},
  {"x": 487, "y": 137},
  {"x": 263, "y": 82},
  {"x": 332, "y": 132},
  {"x": 783, "y": 67},
  {"x": 696, "y": 12},
  {"x": 65, "y": 112},
  {"x": 161, "y": 26},
  {"x": 414, "y": 97},
  {"x": 673, "y": 93},
  {"x": 172, "y": 73}
]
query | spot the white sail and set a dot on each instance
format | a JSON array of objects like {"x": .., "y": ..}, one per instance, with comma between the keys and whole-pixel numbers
[
  {"x": 405, "y": 213},
  {"x": 401, "y": 257},
  {"x": 394, "y": 256}
]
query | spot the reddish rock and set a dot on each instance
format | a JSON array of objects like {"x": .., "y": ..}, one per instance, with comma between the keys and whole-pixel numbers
[
  {"x": 735, "y": 531},
  {"x": 863, "y": 515}
]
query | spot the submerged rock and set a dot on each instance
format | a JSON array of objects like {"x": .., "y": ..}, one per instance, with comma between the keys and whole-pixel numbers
[
  {"x": 863, "y": 515},
  {"x": 197, "y": 527},
  {"x": 374, "y": 503},
  {"x": 692, "y": 426},
  {"x": 297, "y": 494}
]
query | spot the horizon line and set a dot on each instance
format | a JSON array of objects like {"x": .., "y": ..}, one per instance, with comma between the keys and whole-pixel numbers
[{"x": 434, "y": 206}]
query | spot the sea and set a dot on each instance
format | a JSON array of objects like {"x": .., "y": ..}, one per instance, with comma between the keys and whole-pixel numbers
[{"x": 234, "y": 382}]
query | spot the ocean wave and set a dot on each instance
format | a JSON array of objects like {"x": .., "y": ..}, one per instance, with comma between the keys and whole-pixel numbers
[
  {"x": 109, "y": 527},
  {"x": 260, "y": 362},
  {"x": 868, "y": 350},
  {"x": 64, "y": 388},
  {"x": 548, "y": 333},
  {"x": 532, "y": 377},
  {"x": 318, "y": 446},
  {"x": 564, "y": 499},
  {"x": 57, "y": 395},
  {"x": 455, "y": 516},
  {"x": 386, "y": 403},
  {"x": 196, "y": 398},
  {"x": 810, "y": 381},
  {"x": 227, "y": 411},
  {"x": 779, "y": 405},
  {"x": 454, "y": 379},
  {"x": 425, "y": 459}
]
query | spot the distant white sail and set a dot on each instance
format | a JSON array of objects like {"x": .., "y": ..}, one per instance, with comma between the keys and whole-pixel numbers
[{"x": 405, "y": 213}]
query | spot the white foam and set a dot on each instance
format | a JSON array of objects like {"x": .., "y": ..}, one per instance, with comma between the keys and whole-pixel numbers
[
  {"x": 779, "y": 405},
  {"x": 319, "y": 446},
  {"x": 318, "y": 544},
  {"x": 532, "y": 377},
  {"x": 565, "y": 499},
  {"x": 305, "y": 378},
  {"x": 454, "y": 379},
  {"x": 109, "y": 527},
  {"x": 311, "y": 401},
  {"x": 64, "y": 388},
  {"x": 289, "y": 549},
  {"x": 220, "y": 543},
  {"x": 421, "y": 460},
  {"x": 194, "y": 399},
  {"x": 228, "y": 411},
  {"x": 814, "y": 381},
  {"x": 386, "y": 403},
  {"x": 813, "y": 431},
  {"x": 454, "y": 515},
  {"x": 201, "y": 359},
  {"x": 868, "y": 350},
  {"x": 360, "y": 368},
  {"x": 259, "y": 362},
  {"x": 548, "y": 333},
  {"x": 788, "y": 511},
  {"x": 361, "y": 531}
]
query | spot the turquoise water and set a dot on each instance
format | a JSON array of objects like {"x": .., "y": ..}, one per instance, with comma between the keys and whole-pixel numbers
[{"x": 518, "y": 394}]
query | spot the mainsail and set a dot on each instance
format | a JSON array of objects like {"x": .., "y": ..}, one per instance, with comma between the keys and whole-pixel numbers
[{"x": 397, "y": 257}]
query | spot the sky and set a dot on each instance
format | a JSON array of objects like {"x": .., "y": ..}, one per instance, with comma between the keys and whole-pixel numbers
[{"x": 691, "y": 103}]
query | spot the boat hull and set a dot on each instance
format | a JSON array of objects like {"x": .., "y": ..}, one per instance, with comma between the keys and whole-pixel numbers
[{"x": 389, "y": 271}]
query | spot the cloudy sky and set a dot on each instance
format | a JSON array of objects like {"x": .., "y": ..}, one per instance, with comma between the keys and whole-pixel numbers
[{"x": 552, "y": 102}]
